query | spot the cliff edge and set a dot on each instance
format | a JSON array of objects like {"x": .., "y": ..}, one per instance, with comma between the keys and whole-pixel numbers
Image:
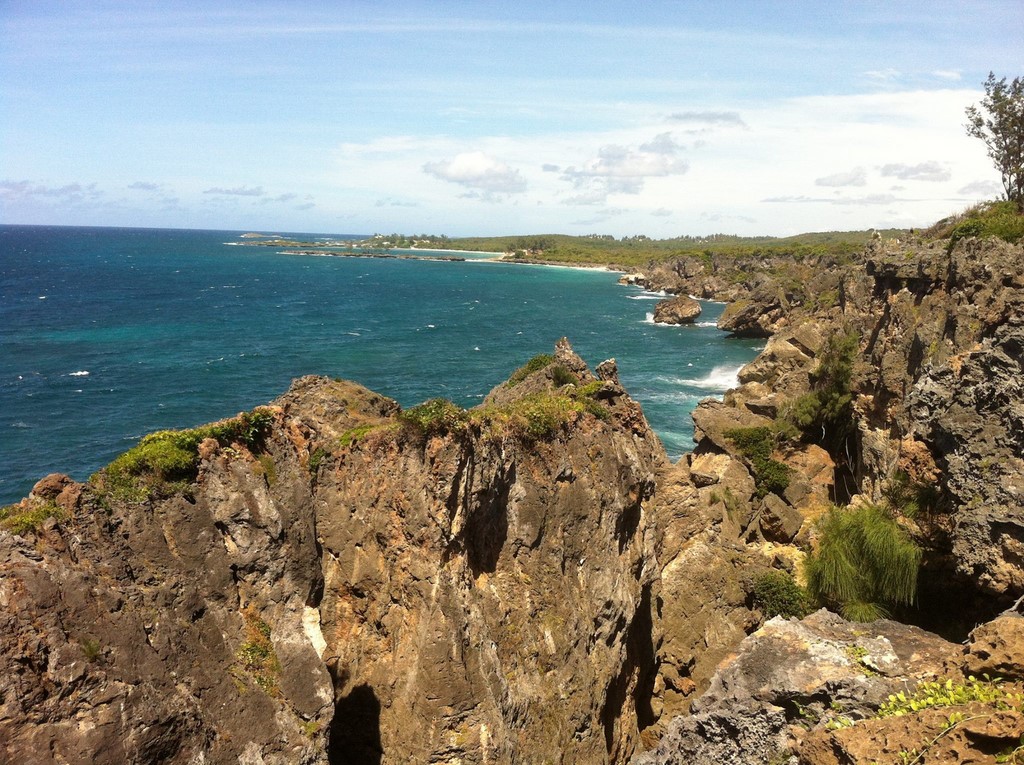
[{"x": 331, "y": 579}]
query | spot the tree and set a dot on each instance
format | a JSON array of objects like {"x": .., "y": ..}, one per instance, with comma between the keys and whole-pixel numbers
[
  {"x": 864, "y": 563},
  {"x": 999, "y": 122}
]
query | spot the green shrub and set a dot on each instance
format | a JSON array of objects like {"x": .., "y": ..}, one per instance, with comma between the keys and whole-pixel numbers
[
  {"x": 91, "y": 649},
  {"x": 825, "y": 415},
  {"x": 168, "y": 460},
  {"x": 908, "y": 497},
  {"x": 434, "y": 417},
  {"x": 257, "y": 655},
  {"x": 19, "y": 519},
  {"x": 966, "y": 230},
  {"x": 316, "y": 458},
  {"x": 777, "y": 594},
  {"x": 535, "y": 364},
  {"x": 948, "y": 694},
  {"x": 561, "y": 375},
  {"x": 757, "y": 445},
  {"x": 864, "y": 564},
  {"x": 999, "y": 219}
]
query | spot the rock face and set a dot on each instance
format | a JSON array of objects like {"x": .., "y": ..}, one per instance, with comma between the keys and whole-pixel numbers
[
  {"x": 974, "y": 722},
  {"x": 935, "y": 386},
  {"x": 676, "y": 310},
  {"x": 793, "y": 670},
  {"x": 352, "y": 590},
  {"x": 948, "y": 343}
]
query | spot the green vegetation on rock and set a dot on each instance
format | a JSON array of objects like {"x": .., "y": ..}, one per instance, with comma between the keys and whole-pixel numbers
[
  {"x": 757, "y": 445},
  {"x": 168, "y": 460},
  {"x": 536, "y": 416},
  {"x": 998, "y": 219},
  {"x": 776, "y": 593},
  {"x": 950, "y": 693},
  {"x": 537, "y": 363},
  {"x": 257, "y": 656},
  {"x": 823, "y": 416},
  {"x": 19, "y": 519},
  {"x": 864, "y": 565}
]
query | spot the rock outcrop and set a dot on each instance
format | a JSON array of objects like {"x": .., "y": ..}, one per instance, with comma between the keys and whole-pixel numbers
[
  {"x": 676, "y": 310},
  {"x": 934, "y": 389},
  {"x": 354, "y": 585},
  {"x": 813, "y": 691}
]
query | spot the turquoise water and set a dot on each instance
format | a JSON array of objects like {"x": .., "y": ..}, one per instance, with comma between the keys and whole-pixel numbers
[{"x": 108, "y": 334}]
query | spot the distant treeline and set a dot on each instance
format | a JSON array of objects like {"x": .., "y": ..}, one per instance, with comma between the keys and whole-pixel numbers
[{"x": 639, "y": 250}]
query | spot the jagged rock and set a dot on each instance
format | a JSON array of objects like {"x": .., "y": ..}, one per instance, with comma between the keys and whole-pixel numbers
[
  {"x": 743, "y": 735},
  {"x": 459, "y": 597},
  {"x": 785, "y": 364},
  {"x": 996, "y": 649},
  {"x": 703, "y": 599},
  {"x": 779, "y": 521},
  {"x": 959, "y": 733},
  {"x": 813, "y": 475},
  {"x": 760, "y": 314},
  {"x": 676, "y": 310},
  {"x": 792, "y": 671},
  {"x": 608, "y": 371},
  {"x": 982, "y": 733},
  {"x": 709, "y": 468},
  {"x": 712, "y": 419}
]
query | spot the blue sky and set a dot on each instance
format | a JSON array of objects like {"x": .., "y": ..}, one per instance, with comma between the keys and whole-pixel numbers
[{"x": 661, "y": 118}]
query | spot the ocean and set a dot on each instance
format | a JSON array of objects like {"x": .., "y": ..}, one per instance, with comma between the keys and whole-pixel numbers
[{"x": 107, "y": 334}]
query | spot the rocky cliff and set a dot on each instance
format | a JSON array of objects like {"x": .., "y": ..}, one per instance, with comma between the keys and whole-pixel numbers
[
  {"x": 332, "y": 580},
  {"x": 919, "y": 347}
]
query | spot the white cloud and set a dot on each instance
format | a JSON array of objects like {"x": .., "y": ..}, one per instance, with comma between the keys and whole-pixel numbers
[
  {"x": 856, "y": 177},
  {"x": 238, "y": 191},
  {"x": 883, "y": 75},
  {"x": 925, "y": 171},
  {"x": 732, "y": 119},
  {"x": 624, "y": 169},
  {"x": 726, "y": 182},
  {"x": 870, "y": 199},
  {"x": 70, "y": 193},
  {"x": 981, "y": 189},
  {"x": 947, "y": 74},
  {"x": 486, "y": 177}
]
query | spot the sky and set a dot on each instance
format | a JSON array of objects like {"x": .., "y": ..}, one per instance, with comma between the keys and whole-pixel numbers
[{"x": 662, "y": 118}]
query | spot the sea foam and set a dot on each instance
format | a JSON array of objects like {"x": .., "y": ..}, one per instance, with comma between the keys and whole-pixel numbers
[{"x": 720, "y": 378}]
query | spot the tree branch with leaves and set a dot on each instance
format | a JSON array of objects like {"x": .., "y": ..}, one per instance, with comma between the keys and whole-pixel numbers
[{"x": 999, "y": 121}]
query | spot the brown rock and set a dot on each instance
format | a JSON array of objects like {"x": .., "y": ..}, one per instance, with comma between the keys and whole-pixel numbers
[
  {"x": 478, "y": 596},
  {"x": 677, "y": 310},
  {"x": 712, "y": 419},
  {"x": 51, "y": 486},
  {"x": 779, "y": 521},
  {"x": 708, "y": 469},
  {"x": 996, "y": 649}
]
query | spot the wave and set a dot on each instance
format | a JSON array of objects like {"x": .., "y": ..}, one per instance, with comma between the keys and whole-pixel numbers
[
  {"x": 720, "y": 378},
  {"x": 705, "y": 324},
  {"x": 83, "y": 373},
  {"x": 645, "y": 296}
]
